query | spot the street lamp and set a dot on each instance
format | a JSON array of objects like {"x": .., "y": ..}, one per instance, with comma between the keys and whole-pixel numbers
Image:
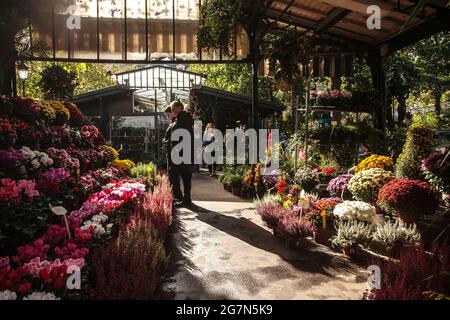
[{"x": 23, "y": 75}]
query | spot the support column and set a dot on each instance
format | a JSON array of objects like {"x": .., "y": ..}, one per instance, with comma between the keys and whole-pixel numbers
[
  {"x": 254, "y": 111},
  {"x": 376, "y": 65}
]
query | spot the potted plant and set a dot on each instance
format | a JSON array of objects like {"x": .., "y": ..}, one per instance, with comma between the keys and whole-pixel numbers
[
  {"x": 408, "y": 199},
  {"x": 235, "y": 182},
  {"x": 307, "y": 179},
  {"x": 338, "y": 187},
  {"x": 395, "y": 235},
  {"x": 271, "y": 212},
  {"x": 366, "y": 184},
  {"x": 295, "y": 230},
  {"x": 349, "y": 235},
  {"x": 323, "y": 209}
]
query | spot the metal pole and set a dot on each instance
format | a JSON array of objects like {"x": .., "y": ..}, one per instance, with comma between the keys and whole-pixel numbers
[
  {"x": 306, "y": 124},
  {"x": 295, "y": 131},
  {"x": 253, "y": 121}
]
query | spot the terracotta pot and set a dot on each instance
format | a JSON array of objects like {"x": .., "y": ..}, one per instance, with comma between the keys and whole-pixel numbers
[
  {"x": 351, "y": 251},
  {"x": 322, "y": 236}
]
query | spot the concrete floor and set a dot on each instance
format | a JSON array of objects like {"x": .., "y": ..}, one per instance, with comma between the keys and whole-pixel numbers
[{"x": 222, "y": 250}]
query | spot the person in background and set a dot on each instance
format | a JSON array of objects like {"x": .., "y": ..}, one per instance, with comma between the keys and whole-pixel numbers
[
  {"x": 208, "y": 138},
  {"x": 171, "y": 170},
  {"x": 183, "y": 120}
]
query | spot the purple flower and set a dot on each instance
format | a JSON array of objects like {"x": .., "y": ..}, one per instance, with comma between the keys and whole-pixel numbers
[
  {"x": 49, "y": 182},
  {"x": 339, "y": 184},
  {"x": 11, "y": 157}
]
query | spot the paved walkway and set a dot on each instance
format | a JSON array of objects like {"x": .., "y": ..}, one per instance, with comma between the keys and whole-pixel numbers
[{"x": 222, "y": 250}]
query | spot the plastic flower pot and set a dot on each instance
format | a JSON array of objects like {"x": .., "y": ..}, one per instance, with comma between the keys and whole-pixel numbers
[
  {"x": 408, "y": 218},
  {"x": 277, "y": 233},
  {"x": 351, "y": 251},
  {"x": 237, "y": 191},
  {"x": 224, "y": 186},
  {"x": 297, "y": 243},
  {"x": 394, "y": 249},
  {"x": 228, "y": 187}
]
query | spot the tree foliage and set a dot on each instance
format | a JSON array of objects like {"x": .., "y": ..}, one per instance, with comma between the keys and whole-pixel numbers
[
  {"x": 89, "y": 76},
  {"x": 218, "y": 20}
]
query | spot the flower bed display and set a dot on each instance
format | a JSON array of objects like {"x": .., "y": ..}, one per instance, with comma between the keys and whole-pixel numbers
[
  {"x": 64, "y": 204},
  {"x": 408, "y": 199},
  {"x": 366, "y": 184}
]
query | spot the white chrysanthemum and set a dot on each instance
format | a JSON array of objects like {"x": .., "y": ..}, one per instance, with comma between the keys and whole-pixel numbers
[
  {"x": 8, "y": 295},
  {"x": 37, "y": 295},
  {"x": 356, "y": 210}
]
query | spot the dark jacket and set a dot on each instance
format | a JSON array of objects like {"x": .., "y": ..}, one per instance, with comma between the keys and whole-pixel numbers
[{"x": 184, "y": 120}]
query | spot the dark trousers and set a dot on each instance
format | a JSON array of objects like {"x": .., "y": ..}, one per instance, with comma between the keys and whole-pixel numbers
[
  {"x": 174, "y": 177},
  {"x": 212, "y": 168}
]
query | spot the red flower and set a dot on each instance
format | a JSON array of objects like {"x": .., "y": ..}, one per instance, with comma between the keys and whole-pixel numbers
[
  {"x": 281, "y": 185},
  {"x": 24, "y": 287}
]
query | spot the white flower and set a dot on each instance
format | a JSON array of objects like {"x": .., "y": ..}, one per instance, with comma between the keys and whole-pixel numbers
[
  {"x": 96, "y": 222},
  {"x": 35, "y": 164},
  {"x": 8, "y": 295},
  {"x": 37, "y": 295},
  {"x": 356, "y": 210}
]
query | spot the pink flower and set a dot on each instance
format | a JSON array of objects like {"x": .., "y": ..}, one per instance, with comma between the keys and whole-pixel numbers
[{"x": 28, "y": 187}]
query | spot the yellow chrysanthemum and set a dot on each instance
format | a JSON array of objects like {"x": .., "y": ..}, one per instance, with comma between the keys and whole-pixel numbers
[
  {"x": 375, "y": 161},
  {"x": 112, "y": 151},
  {"x": 60, "y": 110},
  {"x": 124, "y": 164}
]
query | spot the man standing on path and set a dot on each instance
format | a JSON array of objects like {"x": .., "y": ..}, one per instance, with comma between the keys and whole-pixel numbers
[
  {"x": 171, "y": 170},
  {"x": 183, "y": 120}
]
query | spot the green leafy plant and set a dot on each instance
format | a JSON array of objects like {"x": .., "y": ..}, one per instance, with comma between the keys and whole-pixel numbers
[
  {"x": 218, "y": 20},
  {"x": 419, "y": 142},
  {"x": 57, "y": 83}
]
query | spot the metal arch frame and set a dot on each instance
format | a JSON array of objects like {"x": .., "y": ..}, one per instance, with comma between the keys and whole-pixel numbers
[{"x": 155, "y": 77}]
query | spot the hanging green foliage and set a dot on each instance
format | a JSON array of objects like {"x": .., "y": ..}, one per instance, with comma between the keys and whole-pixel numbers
[
  {"x": 57, "y": 82},
  {"x": 287, "y": 51},
  {"x": 218, "y": 20}
]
